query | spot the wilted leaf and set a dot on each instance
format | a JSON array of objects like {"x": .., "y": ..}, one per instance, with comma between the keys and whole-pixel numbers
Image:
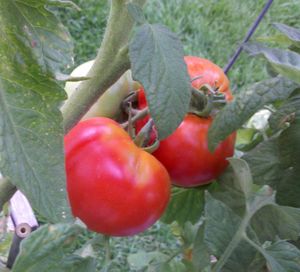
[
  {"x": 156, "y": 56},
  {"x": 236, "y": 113},
  {"x": 47, "y": 249},
  {"x": 185, "y": 205},
  {"x": 285, "y": 62}
]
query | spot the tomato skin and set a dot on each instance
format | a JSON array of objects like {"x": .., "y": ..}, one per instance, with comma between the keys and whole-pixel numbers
[
  {"x": 186, "y": 156},
  {"x": 114, "y": 187},
  {"x": 208, "y": 73}
]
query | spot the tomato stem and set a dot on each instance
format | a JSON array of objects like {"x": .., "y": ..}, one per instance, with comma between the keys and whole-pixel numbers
[
  {"x": 139, "y": 115},
  {"x": 111, "y": 62},
  {"x": 107, "y": 249}
]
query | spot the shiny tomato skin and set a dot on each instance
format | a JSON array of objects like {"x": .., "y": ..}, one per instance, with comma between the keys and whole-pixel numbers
[
  {"x": 114, "y": 187},
  {"x": 208, "y": 73},
  {"x": 186, "y": 156}
]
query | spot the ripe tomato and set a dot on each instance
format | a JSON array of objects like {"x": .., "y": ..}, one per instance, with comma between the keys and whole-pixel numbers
[
  {"x": 185, "y": 153},
  {"x": 186, "y": 156},
  {"x": 114, "y": 187},
  {"x": 208, "y": 73}
]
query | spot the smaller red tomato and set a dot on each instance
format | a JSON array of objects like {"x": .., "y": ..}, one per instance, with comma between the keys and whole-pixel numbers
[
  {"x": 209, "y": 73},
  {"x": 114, "y": 187},
  {"x": 186, "y": 156}
]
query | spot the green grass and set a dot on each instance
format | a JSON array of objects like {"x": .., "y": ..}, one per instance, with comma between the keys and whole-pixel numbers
[{"x": 211, "y": 29}]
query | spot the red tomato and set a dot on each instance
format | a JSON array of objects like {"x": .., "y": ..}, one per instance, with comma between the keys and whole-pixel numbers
[
  {"x": 114, "y": 187},
  {"x": 185, "y": 153},
  {"x": 208, "y": 73},
  {"x": 186, "y": 156}
]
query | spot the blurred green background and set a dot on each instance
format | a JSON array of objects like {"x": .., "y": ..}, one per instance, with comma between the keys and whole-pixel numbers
[{"x": 211, "y": 29}]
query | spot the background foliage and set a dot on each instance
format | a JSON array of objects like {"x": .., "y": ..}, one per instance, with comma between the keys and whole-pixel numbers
[{"x": 211, "y": 29}]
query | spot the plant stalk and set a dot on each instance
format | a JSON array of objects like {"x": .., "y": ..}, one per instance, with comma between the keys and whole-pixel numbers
[{"x": 111, "y": 62}]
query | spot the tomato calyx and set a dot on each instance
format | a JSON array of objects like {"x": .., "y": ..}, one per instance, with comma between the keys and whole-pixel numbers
[{"x": 206, "y": 101}]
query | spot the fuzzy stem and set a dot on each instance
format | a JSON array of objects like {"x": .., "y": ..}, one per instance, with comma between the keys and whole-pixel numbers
[{"x": 111, "y": 62}]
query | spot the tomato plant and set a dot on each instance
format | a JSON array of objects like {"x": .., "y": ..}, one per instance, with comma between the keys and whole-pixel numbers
[
  {"x": 237, "y": 223},
  {"x": 185, "y": 153},
  {"x": 114, "y": 187}
]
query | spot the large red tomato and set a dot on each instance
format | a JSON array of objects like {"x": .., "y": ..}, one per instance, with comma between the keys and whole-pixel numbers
[
  {"x": 186, "y": 156},
  {"x": 185, "y": 153},
  {"x": 114, "y": 187}
]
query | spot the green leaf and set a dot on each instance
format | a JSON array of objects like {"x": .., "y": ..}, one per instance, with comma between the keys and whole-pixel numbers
[
  {"x": 47, "y": 249},
  {"x": 265, "y": 162},
  {"x": 142, "y": 259},
  {"x": 222, "y": 227},
  {"x": 275, "y": 161},
  {"x": 276, "y": 221},
  {"x": 185, "y": 205},
  {"x": 31, "y": 132},
  {"x": 136, "y": 13},
  {"x": 201, "y": 257},
  {"x": 242, "y": 176},
  {"x": 292, "y": 33},
  {"x": 39, "y": 31},
  {"x": 285, "y": 62},
  {"x": 229, "y": 192},
  {"x": 236, "y": 113},
  {"x": 247, "y": 138},
  {"x": 176, "y": 266},
  {"x": 282, "y": 257},
  {"x": 156, "y": 56},
  {"x": 285, "y": 114}
]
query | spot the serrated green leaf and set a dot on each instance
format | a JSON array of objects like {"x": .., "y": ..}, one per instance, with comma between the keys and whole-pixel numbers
[
  {"x": 283, "y": 257},
  {"x": 285, "y": 62},
  {"x": 31, "y": 132},
  {"x": 156, "y": 56},
  {"x": 48, "y": 249},
  {"x": 236, "y": 113},
  {"x": 185, "y": 205},
  {"x": 292, "y": 33},
  {"x": 275, "y": 221}
]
